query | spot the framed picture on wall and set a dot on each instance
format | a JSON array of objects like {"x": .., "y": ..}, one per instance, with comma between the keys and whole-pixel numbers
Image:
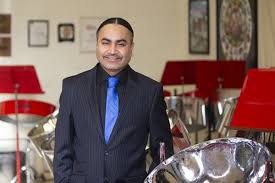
[
  {"x": 66, "y": 32},
  {"x": 5, "y": 23},
  {"x": 87, "y": 32},
  {"x": 5, "y": 35},
  {"x": 5, "y": 46},
  {"x": 237, "y": 31},
  {"x": 38, "y": 33},
  {"x": 198, "y": 26}
]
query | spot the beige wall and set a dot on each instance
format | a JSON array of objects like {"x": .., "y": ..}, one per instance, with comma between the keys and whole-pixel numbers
[
  {"x": 266, "y": 33},
  {"x": 161, "y": 34},
  {"x": 157, "y": 37}
]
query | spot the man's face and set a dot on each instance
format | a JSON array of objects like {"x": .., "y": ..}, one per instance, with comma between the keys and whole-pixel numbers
[{"x": 114, "y": 48}]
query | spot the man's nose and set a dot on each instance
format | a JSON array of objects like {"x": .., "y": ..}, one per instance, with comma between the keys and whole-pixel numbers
[{"x": 113, "y": 48}]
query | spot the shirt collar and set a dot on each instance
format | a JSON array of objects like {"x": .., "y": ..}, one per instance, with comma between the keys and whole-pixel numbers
[{"x": 102, "y": 75}]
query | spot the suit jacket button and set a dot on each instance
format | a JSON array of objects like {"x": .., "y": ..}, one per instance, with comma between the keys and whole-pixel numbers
[
  {"x": 106, "y": 153},
  {"x": 106, "y": 180}
]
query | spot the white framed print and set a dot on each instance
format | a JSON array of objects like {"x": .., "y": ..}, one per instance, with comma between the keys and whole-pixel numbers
[
  {"x": 87, "y": 32},
  {"x": 38, "y": 33}
]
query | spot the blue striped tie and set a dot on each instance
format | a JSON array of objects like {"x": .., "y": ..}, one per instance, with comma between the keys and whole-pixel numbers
[{"x": 111, "y": 107}]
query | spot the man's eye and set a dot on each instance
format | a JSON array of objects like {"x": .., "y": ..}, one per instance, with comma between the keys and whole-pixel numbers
[
  {"x": 121, "y": 44},
  {"x": 105, "y": 43}
]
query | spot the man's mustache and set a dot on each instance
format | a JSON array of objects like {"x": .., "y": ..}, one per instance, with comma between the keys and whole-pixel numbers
[{"x": 113, "y": 55}]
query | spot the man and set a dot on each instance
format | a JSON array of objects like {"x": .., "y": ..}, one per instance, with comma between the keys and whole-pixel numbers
[{"x": 99, "y": 139}]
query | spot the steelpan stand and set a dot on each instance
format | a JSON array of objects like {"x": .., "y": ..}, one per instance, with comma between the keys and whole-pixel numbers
[{"x": 17, "y": 152}]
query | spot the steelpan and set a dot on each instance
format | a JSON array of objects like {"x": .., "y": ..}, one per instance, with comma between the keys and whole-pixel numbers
[
  {"x": 191, "y": 111},
  {"x": 42, "y": 137},
  {"x": 227, "y": 160},
  {"x": 45, "y": 125},
  {"x": 47, "y": 148},
  {"x": 227, "y": 114},
  {"x": 226, "y": 97},
  {"x": 8, "y": 161},
  {"x": 179, "y": 132},
  {"x": 181, "y": 138},
  {"x": 195, "y": 113},
  {"x": 176, "y": 103}
]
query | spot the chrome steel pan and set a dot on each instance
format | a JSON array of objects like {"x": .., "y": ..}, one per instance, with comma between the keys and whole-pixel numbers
[
  {"x": 181, "y": 138},
  {"x": 227, "y": 160},
  {"x": 227, "y": 114},
  {"x": 42, "y": 136},
  {"x": 176, "y": 103},
  {"x": 191, "y": 111},
  {"x": 195, "y": 113}
]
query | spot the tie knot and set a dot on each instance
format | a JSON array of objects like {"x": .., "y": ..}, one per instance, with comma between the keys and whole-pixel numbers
[{"x": 112, "y": 82}]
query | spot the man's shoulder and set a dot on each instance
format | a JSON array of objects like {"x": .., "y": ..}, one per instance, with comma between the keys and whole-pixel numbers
[
  {"x": 141, "y": 78},
  {"x": 80, "y": 76}
]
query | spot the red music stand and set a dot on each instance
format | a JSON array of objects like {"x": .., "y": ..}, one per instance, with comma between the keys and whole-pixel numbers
[
  {"x": 16, "y": 80},
  {"x": 178, "y": 73},
  {"x": 206, "y": 78},
  {"x": 207, "y": 75},
  {"x": 232, "y": 73},
  {"x": 25, "y": 76},
  {"x": 256, "y": 105}
]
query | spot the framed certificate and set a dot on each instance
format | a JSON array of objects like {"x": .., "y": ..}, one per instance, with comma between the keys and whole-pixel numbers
[
  {"x": 38, "y": 33},
  {"x": 88, "y": 28}
]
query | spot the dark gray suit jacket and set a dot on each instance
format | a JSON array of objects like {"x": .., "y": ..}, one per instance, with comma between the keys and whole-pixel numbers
[{"x": 81, "y": 155}]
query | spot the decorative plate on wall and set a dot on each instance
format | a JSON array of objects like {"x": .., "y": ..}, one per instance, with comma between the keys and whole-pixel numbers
[{"x": 237, "y": 31}]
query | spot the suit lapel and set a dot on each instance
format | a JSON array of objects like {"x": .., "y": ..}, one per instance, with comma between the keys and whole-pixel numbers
[
  {"x": 93, "y": 102},
  {"x": 126, "y": 97}
]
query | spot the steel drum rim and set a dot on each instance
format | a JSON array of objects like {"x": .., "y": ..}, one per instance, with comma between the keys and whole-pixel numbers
[
  {"x": 173, "y": 97},
  {"x": 234, "y": 141}
]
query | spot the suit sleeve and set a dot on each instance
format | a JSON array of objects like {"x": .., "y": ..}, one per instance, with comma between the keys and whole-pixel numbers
[
  {"x": 63, "y": 152},
  {"x": 159, "y": 128}
]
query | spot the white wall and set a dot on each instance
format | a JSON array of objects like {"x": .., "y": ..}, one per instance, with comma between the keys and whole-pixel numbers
[
  {"x": 266, "y": 33},
  {"x": 161, "y": 34},
  {"x": 158, "y": 37}
]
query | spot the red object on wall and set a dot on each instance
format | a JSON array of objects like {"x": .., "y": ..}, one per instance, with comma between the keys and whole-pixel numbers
[
  {"x": 25, "y": 76},
  {"x": 256, "y": 105}
]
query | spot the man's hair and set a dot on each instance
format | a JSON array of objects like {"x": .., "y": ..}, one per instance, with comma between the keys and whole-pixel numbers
[{"x": 118, "y": 21}]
